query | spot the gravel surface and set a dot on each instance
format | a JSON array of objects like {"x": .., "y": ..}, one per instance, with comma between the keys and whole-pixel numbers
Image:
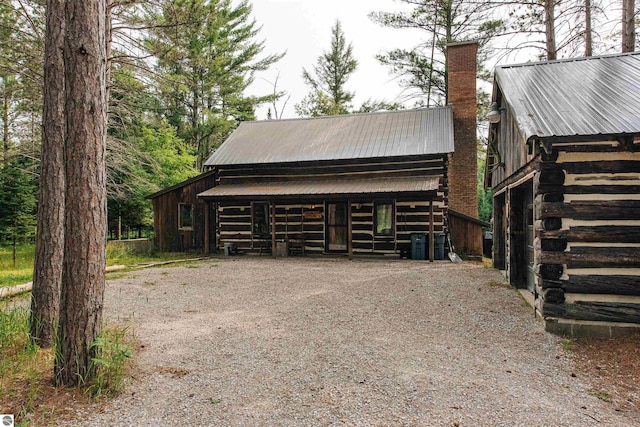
[{"x": 328, "y": 342}]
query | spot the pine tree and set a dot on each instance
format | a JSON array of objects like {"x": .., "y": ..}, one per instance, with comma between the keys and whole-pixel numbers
[
  {"x": 17, "y": 200},
  {"x": 207, "y": 56},
  {"x": 423, "y": 68},
  {"x": 333, "y": 68},
  {"x": 83, "y": 268}
]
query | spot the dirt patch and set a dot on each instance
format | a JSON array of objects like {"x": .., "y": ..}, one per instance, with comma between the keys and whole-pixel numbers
[
  {"x": 612, "y": 368},
  {"x": 174, "y": 372}
]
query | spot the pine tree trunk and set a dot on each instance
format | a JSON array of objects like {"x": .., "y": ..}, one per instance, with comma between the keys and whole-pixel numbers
[
  {"x": 588, "y": 30},
  {"x": 47, "y": 271},
  {"x": 86, "y": 209},
  {"x": 5, "y": 124},
  {"x": 550, "y": 30},
  {"x": 628, "y": 26}
]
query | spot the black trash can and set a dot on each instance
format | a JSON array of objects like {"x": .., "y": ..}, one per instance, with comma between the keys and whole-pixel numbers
[
  {"x": 418, "y": 246},
  {"x": 487, "y": 244},
  {"x": 438, "y": 249}
]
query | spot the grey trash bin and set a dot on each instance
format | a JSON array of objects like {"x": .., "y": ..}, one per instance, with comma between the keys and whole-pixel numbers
[
  {"x": 230, "y": 249},
  {"x": 418, "y": 246}
]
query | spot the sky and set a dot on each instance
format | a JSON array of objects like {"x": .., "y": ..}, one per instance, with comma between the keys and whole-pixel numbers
[{"x": 302, "y": 28}]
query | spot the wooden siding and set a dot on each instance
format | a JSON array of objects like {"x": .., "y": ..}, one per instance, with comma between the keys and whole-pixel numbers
[
  {"x": 588, "y": 232},
  {"x": 165, "y": 216},
  {"x": 466, "y": 233},
  {"x": 411, "y": 216},
  {"x": 508, "y": 150}
]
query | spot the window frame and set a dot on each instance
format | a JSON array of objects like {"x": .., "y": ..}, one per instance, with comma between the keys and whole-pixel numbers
[
  {"x": 181, "y": 225},
  {"x": 266, "y": 234},
  {"x": 392, "y": 228}
]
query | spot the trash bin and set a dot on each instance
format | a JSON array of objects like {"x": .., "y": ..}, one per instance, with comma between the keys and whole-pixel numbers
[
  {"x": 282, "y": 249},
  {"x": 438, "y": 249},
  {"x": 418, "y": 246},
  {"x": 230, "y": 249},
  {"x": 487, "y": 244}
]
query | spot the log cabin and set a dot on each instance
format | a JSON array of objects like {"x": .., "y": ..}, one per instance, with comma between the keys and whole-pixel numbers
[
  {"x": 351, "y": 184},
  {"x": 564, "y": 164}
]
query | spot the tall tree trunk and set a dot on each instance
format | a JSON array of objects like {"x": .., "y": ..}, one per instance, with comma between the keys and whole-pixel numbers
[
  {"x": 588, "y": 30},
  {"x": 15, "y": 249},
  {"x": 47, "y": 271},
  {"x": 5, "y": 122},
  {"x": 628, "y": 26},
  {"x": 550, "y": 29},
  {"x": 86, "y": 209}
]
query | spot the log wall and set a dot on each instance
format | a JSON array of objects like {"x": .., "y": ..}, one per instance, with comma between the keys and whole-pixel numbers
[
  {"x": 411, "y": 215},
  {"x": 587, "y": 209}
]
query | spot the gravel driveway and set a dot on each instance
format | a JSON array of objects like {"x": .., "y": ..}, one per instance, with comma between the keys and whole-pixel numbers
[{"x": 324, "y": 342}]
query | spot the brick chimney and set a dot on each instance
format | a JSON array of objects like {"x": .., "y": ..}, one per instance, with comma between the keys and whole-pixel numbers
[{"x": 463, "y": 163}]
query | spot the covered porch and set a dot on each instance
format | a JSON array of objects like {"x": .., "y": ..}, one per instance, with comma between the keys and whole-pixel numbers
[{"x": 331, "y": 216}]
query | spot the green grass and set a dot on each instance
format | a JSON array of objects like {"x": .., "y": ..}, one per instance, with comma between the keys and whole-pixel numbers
[
  {"x": 22, "y": 365},
  {"x": 26, "y": 371},
  {"x": 23, "y": 270}
]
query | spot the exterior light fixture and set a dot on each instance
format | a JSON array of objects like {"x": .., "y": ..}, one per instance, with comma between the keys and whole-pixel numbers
[{"x": 495, "y": 113}]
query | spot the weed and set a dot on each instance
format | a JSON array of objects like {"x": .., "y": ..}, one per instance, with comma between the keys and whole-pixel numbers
[
  {"x": 23, "y": 365},
  {"x": 496, "y": 283},
  {"x": 111, "y": 363},
  {"x": 601, "y": 394},
  {"x": 148, "y": 283},
  {"x": 26, "y": 383},
  {"x": 567, "y": 344}
]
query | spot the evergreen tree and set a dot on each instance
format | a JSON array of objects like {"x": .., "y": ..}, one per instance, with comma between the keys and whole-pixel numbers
[
  {"x": 333, "y": 68},
  {"x": 423, "y": 67},
  {"x": 17, "y": 200},
  {"x": 207, "y": 56}
]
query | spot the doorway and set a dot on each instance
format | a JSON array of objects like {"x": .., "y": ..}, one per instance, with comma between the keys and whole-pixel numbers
[
  {"x": 337, "y": 224},
  {"x": 521, "y": 242}
]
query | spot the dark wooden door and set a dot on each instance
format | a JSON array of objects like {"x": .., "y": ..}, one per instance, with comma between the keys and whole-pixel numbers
[
  {"x": 529, "y": 237},
  {"x": 521, "y": 237},
  {"x": 337, "y": 227}
]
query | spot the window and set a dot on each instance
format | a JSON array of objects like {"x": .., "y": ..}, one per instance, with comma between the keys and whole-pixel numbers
[
  {"x": 383, "y": 219},
  {"x": 185, "y": 216},
  {"x": 260, "y": 219}
]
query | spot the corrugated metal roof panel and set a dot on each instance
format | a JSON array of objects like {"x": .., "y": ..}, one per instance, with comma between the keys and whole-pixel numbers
[
  {"x": 353, "y": 136},
  {"x": 326, "y": 187},
  {"x": 585, "y": 96}
]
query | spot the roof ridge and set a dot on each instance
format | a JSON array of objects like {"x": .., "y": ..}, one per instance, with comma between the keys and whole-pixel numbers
[
  {"x": 565, "y": 60},
  {"x": 407, "y": 110}
]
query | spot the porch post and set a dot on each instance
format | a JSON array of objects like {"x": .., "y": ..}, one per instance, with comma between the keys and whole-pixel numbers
[
  {"x": 431, "y": 234},
  {"x": 273, "y": 229},
  {"x": 349, "y": 230},
  {"x": 207, "y": 207}
]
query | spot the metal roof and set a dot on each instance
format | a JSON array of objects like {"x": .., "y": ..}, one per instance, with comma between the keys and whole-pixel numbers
[
  {"x": 340, "y": 187},
  {"x": 585, "y": 96},
  {"x": 352, "y": 136}
]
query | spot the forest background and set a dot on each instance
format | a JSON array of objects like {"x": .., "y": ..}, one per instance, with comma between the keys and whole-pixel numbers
[{"x": 185, "y": 73}]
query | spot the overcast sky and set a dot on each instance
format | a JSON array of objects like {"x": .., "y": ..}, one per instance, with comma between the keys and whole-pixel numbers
[{"x": 302, "y": 28}]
